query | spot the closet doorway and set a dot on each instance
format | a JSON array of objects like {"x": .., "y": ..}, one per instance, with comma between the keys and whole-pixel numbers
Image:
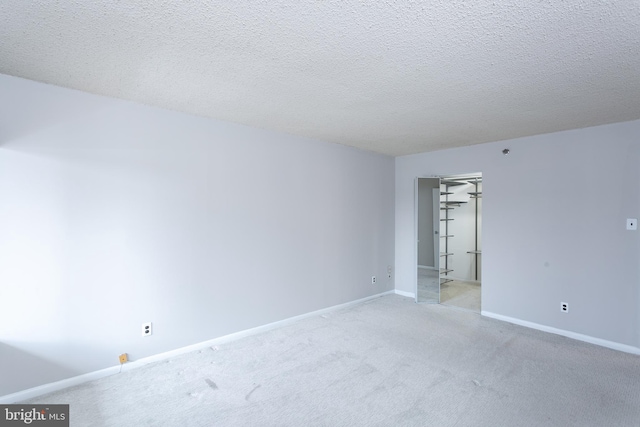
[{"x": 454, "y": 276}]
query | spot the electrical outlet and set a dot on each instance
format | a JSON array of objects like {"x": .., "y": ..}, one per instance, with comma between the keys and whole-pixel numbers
[
  {"x": 123, "y": 358},
  {"x": 632, "y": 224},
  {"x": 146, "y": 329},
  {"x": 564, "y": 307},
  {"x": 373, "y": 280}
]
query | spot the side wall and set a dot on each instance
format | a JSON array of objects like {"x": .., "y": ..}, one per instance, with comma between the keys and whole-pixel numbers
[
  {"x": 553, "y": 229},
  {"x": 113, "y": 214}
]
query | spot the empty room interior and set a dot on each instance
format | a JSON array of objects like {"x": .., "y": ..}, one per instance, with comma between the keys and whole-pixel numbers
[{"x": 321, "y": 212}]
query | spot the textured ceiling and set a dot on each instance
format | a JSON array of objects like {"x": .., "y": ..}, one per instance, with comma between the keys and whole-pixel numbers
[{"x": 396, "y": 77}]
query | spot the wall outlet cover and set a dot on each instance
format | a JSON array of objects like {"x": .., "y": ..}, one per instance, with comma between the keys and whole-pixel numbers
[
  {"x": 123, "y": 358},
  {"x": 632, "y": 223},
  {"x": 146, "y": 329}
]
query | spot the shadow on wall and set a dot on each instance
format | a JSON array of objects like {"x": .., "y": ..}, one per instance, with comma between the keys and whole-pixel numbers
[
  {"x": 24, "y": 112},
  {"x": 20, "y": 370}
]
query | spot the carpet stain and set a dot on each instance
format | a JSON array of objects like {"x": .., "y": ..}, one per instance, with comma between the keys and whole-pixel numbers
[
  {"x": 211, "y": 383},
  {"x": 251, "y": 392},
  {"x": 442, "y": 377}
]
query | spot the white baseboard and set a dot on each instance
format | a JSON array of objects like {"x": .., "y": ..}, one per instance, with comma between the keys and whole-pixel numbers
[
  {"x": 406, "y": 294},
  {"x": 34, "y": 392},
  {"x": 576, "y": 336}
]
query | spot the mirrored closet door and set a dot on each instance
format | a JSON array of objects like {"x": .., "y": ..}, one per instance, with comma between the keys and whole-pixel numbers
[{"x": 427, "y": 203}]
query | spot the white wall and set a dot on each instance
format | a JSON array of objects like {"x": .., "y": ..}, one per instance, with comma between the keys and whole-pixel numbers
[
  {"x": 113, "y": 214},
  {"x": 554, "y": 214}
]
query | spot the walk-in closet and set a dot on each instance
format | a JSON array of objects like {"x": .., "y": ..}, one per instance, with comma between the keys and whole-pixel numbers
[
  {"x": 449, "y": 240},
  {"x": 461, "y": 241}
]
